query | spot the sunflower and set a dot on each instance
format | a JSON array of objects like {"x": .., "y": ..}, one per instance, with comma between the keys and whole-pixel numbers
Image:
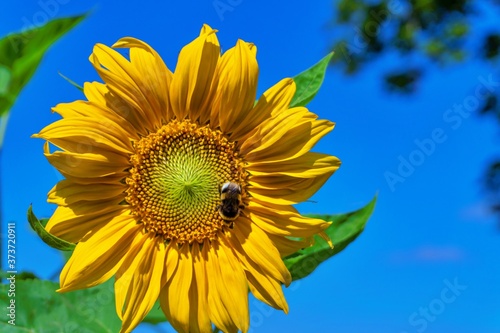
[{"x": 148, "y": 158}]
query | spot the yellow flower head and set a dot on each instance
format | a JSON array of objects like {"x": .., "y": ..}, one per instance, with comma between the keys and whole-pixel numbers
[{"x": 181, "y": 186}]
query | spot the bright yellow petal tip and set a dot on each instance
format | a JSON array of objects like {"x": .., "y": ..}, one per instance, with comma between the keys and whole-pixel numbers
[{"x": 323, "y": 235}]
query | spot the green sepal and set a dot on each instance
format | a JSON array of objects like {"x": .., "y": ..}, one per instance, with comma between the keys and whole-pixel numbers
[
  {"x": 73, "y": 83},
  {"x": 38, "y": 308},
  {"x": 48, "y": 238},
  {"x": 21, "y": 53},
  {"x": 309, "y": 81},
  {"x": 345, "y": 228}
]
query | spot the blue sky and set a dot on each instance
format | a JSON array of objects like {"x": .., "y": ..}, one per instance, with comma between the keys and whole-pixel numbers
[{"x": 430, "y": 243}]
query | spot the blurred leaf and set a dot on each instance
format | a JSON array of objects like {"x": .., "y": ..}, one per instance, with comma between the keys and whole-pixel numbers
[
  {"x": 492, "y": 177},
  {"x": 490, "y": 105},
  {"x": 309, "y": 81},
  {"x": 342, "y": 53},
  {"x": 40, "y": 309},
  {"x": 457, "y": 29},
  {"x": 435, "y": 48},
  {"x": 405, "y": 38},
  {"x": 4, "y": 79},
  {"x": 21, "y": 53},
  {"x": 25, "y": 275},
  {"x": 457, "y": 55},
  {"x": 346, "y": 8},
  {"x": 403, "y": 82},
  {"x": 48, "y": 238},
  {"x": 435, "y": 30},
  {"x": 491, "y": 46},
  {"x": 345, "y": 228}
]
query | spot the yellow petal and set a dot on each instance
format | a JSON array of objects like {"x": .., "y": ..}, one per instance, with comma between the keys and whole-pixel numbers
[
  {"x": 87, "y": 135},
  {"x": 272, "y": 102},
  {"x": 263, "y": 285},
  {"x": 301, "y": 143},
  {"x": 254, "y": 243},
  {"x": 284, "y": 223},
  {"x": 171, "y": 262},
  {"x": 88, "y": 165},
  {"x": 287, "y": 246},
  {"x": 267, "y": 290},
  {"x": 205, "y": 29},
  {"x": 219, "y": 313},
  {"x": 124, "y": 80},
  {"x": 111, "y": 179},
  {"x": 174, "y": 298},
  {"x": 200, "y": 316},
  {"x": 295, "y": 179},
  {"x": 155, "y": 77},
  {"x": 327, "y": 239},
  {"x": 102, "y": 101},
  {"x": 233, "y": 285},
  {"x": 237, "y": 87},
  {"x": 143, "y": 267},
  {"x": 270, "y": 132},
  {"x": 123, "y": 281},
  {"x": 76, "y": 109},
  {"x": 97, "y": 257},
  {"x": 287, "y": 136},
  {"x": 296, "y": 192},
  {"x": 72, "y": 224},
  {"x": 99, "y": 111},
  {"x": 308, "y": 165},
  {"x": 194, "y": 306},
  {"x": 191, "y": 86},
  {"x": 67, "y": 192}
]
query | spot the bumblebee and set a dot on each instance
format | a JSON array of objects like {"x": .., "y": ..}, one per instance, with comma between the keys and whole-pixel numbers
[{"x": 230, "y": 202}]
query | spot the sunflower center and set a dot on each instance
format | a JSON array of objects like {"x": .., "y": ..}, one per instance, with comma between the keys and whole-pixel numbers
[{"x": 175, "y": 179}]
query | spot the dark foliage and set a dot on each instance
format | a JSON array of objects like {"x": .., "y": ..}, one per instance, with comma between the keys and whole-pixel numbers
[{"x": 440, "y": 32}]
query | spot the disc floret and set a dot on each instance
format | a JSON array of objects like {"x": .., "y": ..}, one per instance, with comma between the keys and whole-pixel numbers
[{"x": 175, "y": 178}]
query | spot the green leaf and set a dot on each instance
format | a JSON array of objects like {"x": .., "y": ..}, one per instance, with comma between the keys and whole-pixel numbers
[
  {"x": 345, "y": 228},
  {"x": 4, "y": 79},
  {"x": 24, "y": 275},
  {"x": 38, "y": 308},
  {"x": 309, "y": 81},
  {"x": 21, "y": 53},
  {"x": 48, "y": 238},
  {"x": 156, "y": 315}
]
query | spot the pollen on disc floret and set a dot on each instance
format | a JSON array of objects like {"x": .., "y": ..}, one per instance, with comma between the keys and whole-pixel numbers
[{"x": 175, "y": 177}]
